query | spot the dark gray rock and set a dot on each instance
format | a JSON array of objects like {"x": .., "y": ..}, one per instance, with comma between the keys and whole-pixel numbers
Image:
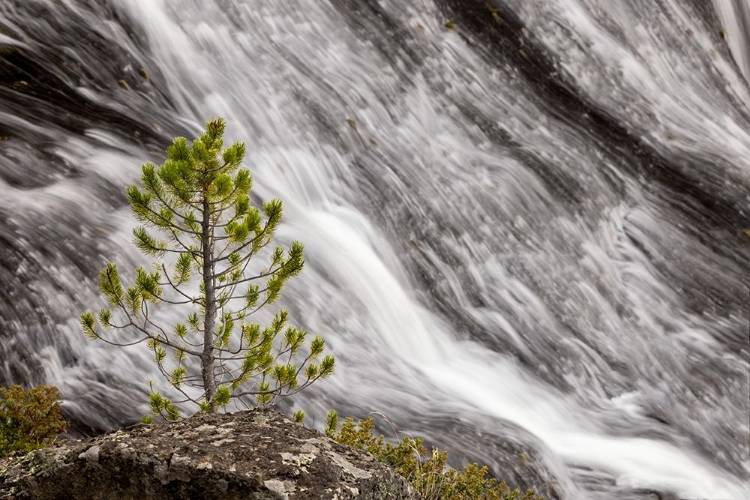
[{"x": 258, "y": 454}]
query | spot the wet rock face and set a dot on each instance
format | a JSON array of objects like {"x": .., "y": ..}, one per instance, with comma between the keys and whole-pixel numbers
[{"x": 256, "y": 454}]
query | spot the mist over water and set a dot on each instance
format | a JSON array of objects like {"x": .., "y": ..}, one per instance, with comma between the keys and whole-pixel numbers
[{"x": 524, "y": 235}]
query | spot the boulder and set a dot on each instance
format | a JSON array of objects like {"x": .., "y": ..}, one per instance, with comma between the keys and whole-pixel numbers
[{"x": 255, "y": 454}]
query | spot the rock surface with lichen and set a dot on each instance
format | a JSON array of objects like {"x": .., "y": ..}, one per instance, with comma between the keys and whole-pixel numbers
[{"x": 257, "y": 454}]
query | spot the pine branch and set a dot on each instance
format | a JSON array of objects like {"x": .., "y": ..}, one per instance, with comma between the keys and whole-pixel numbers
[
  {"x": 174, "y": 287},
  {"x": 244, "y": 245}
]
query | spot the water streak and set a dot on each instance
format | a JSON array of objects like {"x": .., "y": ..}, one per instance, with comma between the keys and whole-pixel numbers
[{"x": 523, "y": 234}]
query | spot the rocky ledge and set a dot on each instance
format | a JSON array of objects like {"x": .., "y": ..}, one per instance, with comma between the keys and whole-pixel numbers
[{"x": 257, "y": 454}]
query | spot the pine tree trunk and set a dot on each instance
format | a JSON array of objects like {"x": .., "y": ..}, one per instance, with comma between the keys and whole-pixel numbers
[{"x": 207, "y": 359}]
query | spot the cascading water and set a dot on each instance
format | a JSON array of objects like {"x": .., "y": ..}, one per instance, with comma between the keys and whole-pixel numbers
[
  {"x": 523, "y": 234},
  {"x": 735, "y": 15}
]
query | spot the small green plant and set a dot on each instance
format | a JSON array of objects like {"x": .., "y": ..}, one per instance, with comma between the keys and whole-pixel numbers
[
  {"x": 208, "y": 235},
  {"x": 426, "y": 470},
  {"x": 29, "y": 420}
]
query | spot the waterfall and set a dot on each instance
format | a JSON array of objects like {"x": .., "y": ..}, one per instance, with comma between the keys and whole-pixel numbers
[{"x": 523, "y": 219}]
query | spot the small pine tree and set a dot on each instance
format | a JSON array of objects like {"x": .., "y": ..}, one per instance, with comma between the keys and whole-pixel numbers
[{"x": 199, "y": 200}]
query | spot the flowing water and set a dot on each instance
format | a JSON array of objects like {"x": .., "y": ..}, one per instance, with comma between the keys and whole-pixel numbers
[{"x": 524, "y": 230}]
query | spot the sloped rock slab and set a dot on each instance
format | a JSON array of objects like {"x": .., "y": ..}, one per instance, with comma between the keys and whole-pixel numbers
[{"x": 257, "y": 454}]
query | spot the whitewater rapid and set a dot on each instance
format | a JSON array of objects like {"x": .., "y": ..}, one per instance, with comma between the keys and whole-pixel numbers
[{"x": 524, "y": 235}]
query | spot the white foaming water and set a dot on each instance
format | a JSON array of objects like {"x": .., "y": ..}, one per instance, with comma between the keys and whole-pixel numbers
[
  {"x": 735, "y": 16},
  {"x": 578, "y": 292}
]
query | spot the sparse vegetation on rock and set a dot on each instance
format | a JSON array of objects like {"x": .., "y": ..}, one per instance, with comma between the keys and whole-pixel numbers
[
  {"x": 29, "y": 420},
  {"x": 427, "y": 470}
]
